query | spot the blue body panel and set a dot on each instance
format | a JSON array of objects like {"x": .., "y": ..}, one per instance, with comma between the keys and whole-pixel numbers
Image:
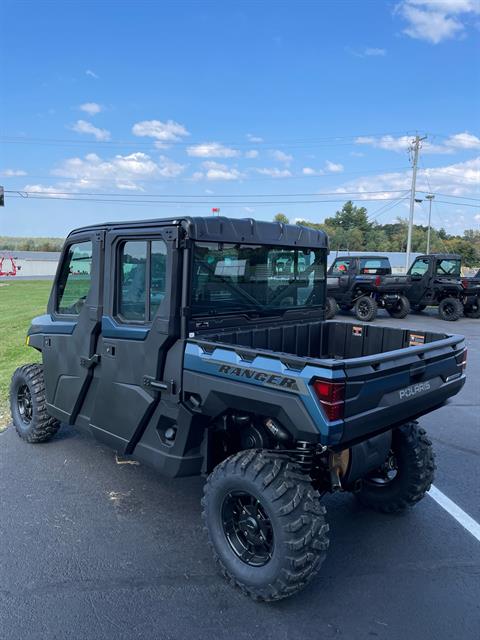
[
  {"x": 200, "y": 361},
  {"x": 47, "y": 324},
  {"x": 111, "y": 329}
]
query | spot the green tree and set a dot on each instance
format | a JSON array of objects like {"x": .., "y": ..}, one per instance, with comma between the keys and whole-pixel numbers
[{"x": 281, "y": 217}]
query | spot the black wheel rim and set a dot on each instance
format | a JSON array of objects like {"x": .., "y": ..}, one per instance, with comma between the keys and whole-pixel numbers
[
  {"x": 448, "y": 309},
  {"x": 24, "y": 404},
  {"x": 247, "y": 528},
  {"x": 386, "y": 473},
  {"x": 363, "y": 308}
]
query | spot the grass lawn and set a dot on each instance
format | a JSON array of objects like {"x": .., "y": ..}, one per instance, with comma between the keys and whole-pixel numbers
[{"x": 19, "y": 303}]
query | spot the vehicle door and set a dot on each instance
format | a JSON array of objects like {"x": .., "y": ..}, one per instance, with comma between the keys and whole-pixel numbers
[
  {"x": 69, "y": 343},
  {"x": 137, "y": 329},
  {"x": 421, "y": 278}
]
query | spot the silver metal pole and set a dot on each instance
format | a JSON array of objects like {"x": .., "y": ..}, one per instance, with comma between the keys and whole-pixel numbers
[
  {"x": 416, "y": 146},
  {"x": 430, "y": 197}
]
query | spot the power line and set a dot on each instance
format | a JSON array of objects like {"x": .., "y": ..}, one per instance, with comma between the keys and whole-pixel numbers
[
  {"x": 210, "y": 196},
  {"x": 324, "y": 141}
]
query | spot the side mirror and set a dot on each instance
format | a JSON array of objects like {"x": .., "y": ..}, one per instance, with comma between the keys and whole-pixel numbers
[{"x": 416, "y": 276}]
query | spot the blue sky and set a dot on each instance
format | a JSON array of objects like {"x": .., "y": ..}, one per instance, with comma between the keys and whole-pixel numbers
[{"x": 240, "y": 105}]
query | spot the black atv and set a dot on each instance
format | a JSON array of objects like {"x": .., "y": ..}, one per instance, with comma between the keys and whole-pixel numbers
[{"x": 365, "y": 283}]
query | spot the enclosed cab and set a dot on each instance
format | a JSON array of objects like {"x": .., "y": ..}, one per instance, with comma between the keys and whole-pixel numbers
[
  {"x": 199, "y": 346},
  {"x": 365, "y": 283}
]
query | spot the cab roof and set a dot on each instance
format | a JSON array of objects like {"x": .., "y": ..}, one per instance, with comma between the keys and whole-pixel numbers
[
  {"x": 441, "y": 256},
  {"x": 222, "y": 229}
]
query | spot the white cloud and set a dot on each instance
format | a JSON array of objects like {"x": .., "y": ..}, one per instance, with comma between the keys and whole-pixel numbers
[
  {"x": 330, "y": 167},
  {"x": 367, "y": 52},
  {"x": 463, "y": 140},
  {"x": 92, "y": 74},
  {"x": 458, "y": 179},
  {"x": 254, "y": 138},
  {"x": 477, "y": 217},
  {"x": 249, "y": 209},
  {"x": 253, "y": 153},
  {"x": 308, "y": 171},
  {"x": 211, "y": 150},
  {"x": 162, "y": 132},
  {"x": 374, "y": 51},
  {"x": 122, "y": 172},
  {"x": 274, "y": 172},
  {"x": 436, "y": 20},
  {"x": 82, "y": 126},
  {"x": 12, "y": 173},
  {"x": 92, "y": 108},
  {"x": 217, "y": 171},
  {"x": 333, "y": 167},
  {"x": 44, "y": 190},
  {"x": 281, "y": 156}
]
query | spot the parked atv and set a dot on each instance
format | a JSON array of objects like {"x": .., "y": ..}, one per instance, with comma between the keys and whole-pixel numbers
[
  {"x": 365, "y": 283},
  {"x": 471, "y": 296},
  {"x": 436, "y": 281},
  {"x": 199, "y": 346}
]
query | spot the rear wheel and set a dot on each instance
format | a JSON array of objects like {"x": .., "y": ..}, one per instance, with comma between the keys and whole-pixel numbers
[
  {"x": 400, "y": 309},
  {"x": 450, "y": 309},
  {"x": 406, "y": 475},
  {"x": 472, "y": 310},
  {"x": 28, "y": 405},
  {"x": 366, "y": 309},
  {"x": 265, "y": 524},
  {"x": 331, "y": 308}
]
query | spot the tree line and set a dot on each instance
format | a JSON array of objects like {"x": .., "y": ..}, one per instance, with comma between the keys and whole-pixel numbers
[
  {"x": 30, "y": 244},
  {"x": 351, "y": 230}
]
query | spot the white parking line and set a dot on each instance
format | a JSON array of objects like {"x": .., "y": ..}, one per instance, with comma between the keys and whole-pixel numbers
[{"x": 454, "y": 510}]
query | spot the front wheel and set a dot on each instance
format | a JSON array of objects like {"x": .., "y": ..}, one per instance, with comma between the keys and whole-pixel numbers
[
  {"x": 28, "y": 405},
  {"x": 450, "y": 309},
  {"x": 400, "y": 309},
  {"x": 331, "y": 308},
  {"x": 265, "y": 524},
  {"x": 366, "y": 309},
  {"x": 406, "y": 475}
]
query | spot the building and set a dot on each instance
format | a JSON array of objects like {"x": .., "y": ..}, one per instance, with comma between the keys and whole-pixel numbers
[{"x": 24, "y": 265}]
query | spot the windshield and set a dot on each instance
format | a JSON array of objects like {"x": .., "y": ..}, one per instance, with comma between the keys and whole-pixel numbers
[{"x": 241, "y": 277}]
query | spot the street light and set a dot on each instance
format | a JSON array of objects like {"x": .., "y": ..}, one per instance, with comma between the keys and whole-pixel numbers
[{"x": 429, "y": 197}]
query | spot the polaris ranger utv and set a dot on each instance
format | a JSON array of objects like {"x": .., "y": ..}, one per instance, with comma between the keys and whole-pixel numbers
[
  {"x": 365, "y": 283},
  {"x": 199, "y": 346}
]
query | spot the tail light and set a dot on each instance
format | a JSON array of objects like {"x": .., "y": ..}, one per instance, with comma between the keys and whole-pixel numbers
[
  {"x": 464, "y": 283},
  {"x": 332, "y": 398},
  {"x": 462, "y": 360},
  {"x": 378, "y": 281}
]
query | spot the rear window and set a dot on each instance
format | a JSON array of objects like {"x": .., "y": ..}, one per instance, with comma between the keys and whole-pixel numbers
[
  {"x": 374, "y": 266},
  {"x": 448, "y": 267}
]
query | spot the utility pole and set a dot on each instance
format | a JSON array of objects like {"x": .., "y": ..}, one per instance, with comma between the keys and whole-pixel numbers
[
  {"x": 430, "y": 197},
  {"x": 415, "y": 148}
]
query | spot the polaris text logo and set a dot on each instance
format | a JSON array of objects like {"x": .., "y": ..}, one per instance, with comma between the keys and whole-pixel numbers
[
  {"x": 267, "y": 378},
  {"x": 413, "y": 389}
]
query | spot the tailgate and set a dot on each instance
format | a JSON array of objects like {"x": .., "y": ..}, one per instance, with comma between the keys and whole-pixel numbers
[{"x": 391, "y": 388}]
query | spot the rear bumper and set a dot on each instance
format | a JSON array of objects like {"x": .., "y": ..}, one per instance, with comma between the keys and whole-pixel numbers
[{"x": 393, "y": 411}]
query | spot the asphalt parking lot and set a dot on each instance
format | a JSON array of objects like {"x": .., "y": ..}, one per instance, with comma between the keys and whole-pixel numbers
[{"x": 94, "y": 549}]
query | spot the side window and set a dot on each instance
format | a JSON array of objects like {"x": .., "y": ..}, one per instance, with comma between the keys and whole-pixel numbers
[
  {"x": 142, "y": 283},
  {"x": 75, "y": 279},
  {"x": 419, "y": 267},
  {"x": 340, "y": 267},
  {"x": 133, "y": 272},
  {"x": 158, "y": 261}
]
